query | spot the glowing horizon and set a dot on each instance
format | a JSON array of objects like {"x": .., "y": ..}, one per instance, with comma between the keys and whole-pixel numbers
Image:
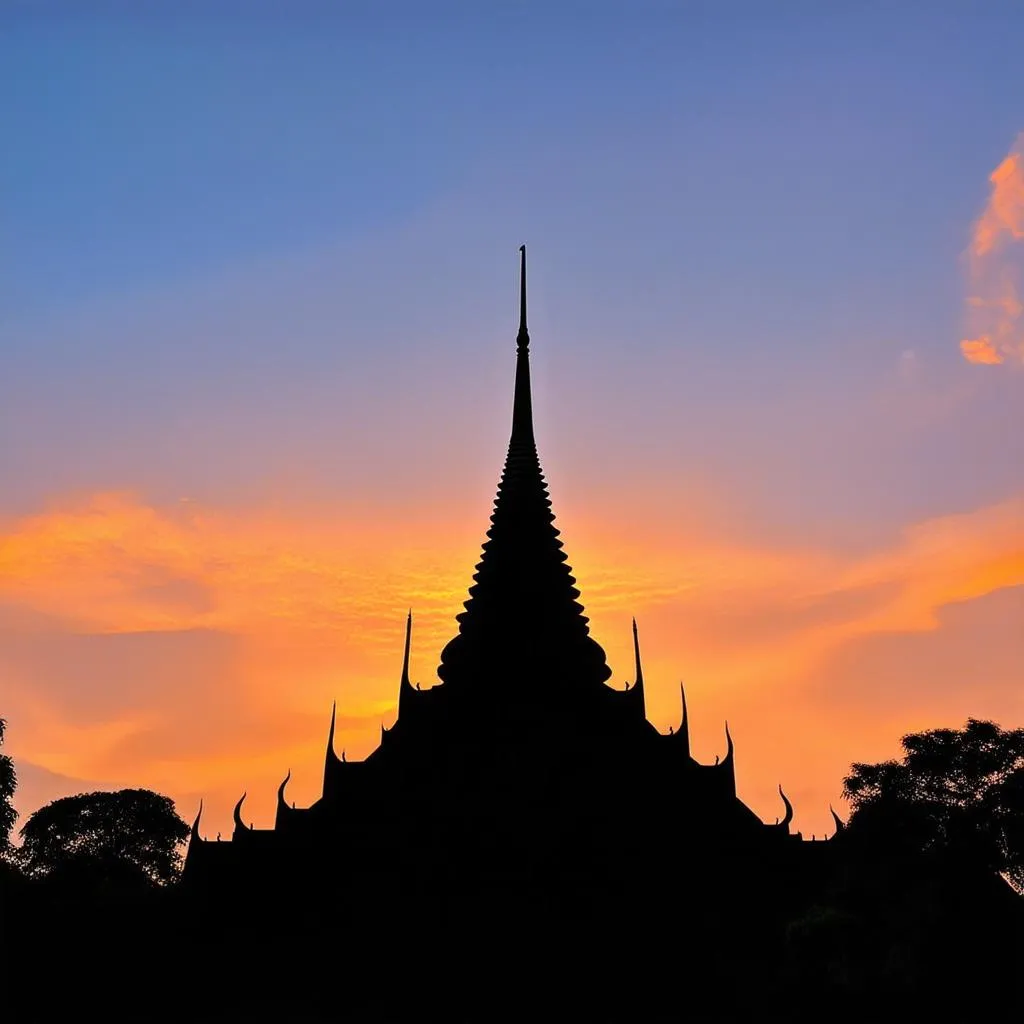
[{"x": 280, "y": 593}]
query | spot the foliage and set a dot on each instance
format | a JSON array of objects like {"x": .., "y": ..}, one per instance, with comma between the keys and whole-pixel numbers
[
  {"x": 8, "y": 783},
  {"x": 131, "y": 834},
  {"x": 955, "y": 792}
]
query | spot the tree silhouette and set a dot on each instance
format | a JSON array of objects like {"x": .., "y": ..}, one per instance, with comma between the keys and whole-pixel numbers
[
  {"x": 8, "y": 783},
  {"x": 130, "y": 834},
  {"x": 957, "y": 793}
]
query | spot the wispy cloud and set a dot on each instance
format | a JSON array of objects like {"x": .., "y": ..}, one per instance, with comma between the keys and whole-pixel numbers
[
  {"x": 994, "y": 258},
  {"x": 198, "y": 650}
]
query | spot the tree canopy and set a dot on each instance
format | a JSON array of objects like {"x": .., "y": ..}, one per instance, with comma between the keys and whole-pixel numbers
[
  {"x": 957, "y": 792},
  {"x": 130, "y": 831},
  {"x": 8, "y": 783}
]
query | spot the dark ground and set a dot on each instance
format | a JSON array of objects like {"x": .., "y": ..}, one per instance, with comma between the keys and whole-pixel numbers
[{"x": 891, "y": 943}]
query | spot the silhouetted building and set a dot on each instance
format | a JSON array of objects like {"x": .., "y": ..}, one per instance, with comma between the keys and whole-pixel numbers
[
  {"x": 524, "y": 845},
  {"x": 522, "y": 780}
]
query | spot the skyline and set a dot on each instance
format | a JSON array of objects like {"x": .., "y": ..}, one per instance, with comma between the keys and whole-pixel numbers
[{"x": 252, "y": 413}]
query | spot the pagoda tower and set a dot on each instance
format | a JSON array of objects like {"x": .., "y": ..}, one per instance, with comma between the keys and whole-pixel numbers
[{"x": 522, "y": 763}]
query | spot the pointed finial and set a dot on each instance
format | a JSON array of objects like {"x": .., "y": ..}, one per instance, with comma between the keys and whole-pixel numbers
[
  {"x": 840, "y": 824},
  {"x": 195, "y": 824},
  {"x": 330, "y": 734},
  {"x": 240, "y": 825},
  {"x": 280, "y": 789},
  {"x": 408, "y": 644},
  {"x": 282, "y": 804},
  {"x": 406, "y": 693},
  {"x": 523, "y": 338},
  {"x": 638, "y": 701},
  {"x": 684, "y": 725},
  {"x": 522, "y": 402},
  {"x": 638, "y": 668},
  {"x": 330, "y": 757},
  {"x": 789, "y": 809}
]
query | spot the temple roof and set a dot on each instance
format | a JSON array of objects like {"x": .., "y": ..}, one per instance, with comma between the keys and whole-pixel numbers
[{"x": 523, "y": 666}]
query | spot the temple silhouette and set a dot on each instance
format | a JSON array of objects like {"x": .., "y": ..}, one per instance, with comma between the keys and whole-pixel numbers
[
  {"x": 522, "y": 794},
  {"x": 523, "y": 845}
]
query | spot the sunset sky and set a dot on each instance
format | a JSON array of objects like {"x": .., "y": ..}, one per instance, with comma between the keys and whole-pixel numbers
[{"x": 257, "y": 318}]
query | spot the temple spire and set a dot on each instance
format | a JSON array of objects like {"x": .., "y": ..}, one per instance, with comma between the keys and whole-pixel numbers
[
  {"x": 523, "y": 618},
  {"x": 522, "y": 404},
  {"x": 523, "y": 338}
]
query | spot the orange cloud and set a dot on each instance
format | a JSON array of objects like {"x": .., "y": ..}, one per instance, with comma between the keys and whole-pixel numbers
[
  {"x": 1003, "y": 219},
  {"x": 198, "y": 650},
  {"x": 994, "y": 268},
  {"x": 980, "y": 350}
]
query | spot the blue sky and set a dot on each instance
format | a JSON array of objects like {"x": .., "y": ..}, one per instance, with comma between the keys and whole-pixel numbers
[
  {"x": 754, "y": 195},
  {"x": 177, "y": 139}
]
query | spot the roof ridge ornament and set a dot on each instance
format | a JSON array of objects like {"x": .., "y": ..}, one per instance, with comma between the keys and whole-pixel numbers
[
  {"x": 283, "y": 810},
  {"x": 638, "y": 668},
  {"x": 638, "y": 685},
  {"x": 789, "y": 810},
  {"x": 330, "y": 735},
  {"x": 406, "y": 691},
  {"x": 240, "y": 826},
  {"x": 408, "y": 640},
  {"x": 331, "y": 761},
  {"x": 681, "y": 735}
]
